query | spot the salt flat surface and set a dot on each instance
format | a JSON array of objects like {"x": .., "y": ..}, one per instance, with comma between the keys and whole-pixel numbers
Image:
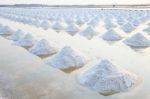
[{"x": 27, "y": 73}]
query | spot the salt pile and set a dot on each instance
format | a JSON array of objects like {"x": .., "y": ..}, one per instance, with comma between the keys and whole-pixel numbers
[
  {"x": 136, "y": 22},
  {"x": 57, "y": 26},
  {"x": 17, "y": 35},
  {"x": 80, "y": 21},
  {"x": 67, "y": 58},
  {"x": 43, "y": 48},
  {"x": 45, "y": 25},
  {"x": 31, "y": 21},
  {"x": 39, "y": 23},
  {"x": 72, "y": 29},
  {"x": 89, "y": 32},
  {"x": 111, "y": 35},
  {"x": 107, "y": 78},
  {"x": 5, "y": 30},
  {"x": 108, "y": 24},
  {"x": 94, "y": 22},
  {"x": 121, "y": 21},
  {"x": 128, "y": 27},
  {"x": 137, "y": 40},
  {"x": 26, "y": 41},
  {"x": 1, "y": 28},
  {"x": 147, "y": 30},
  {"x": 69, "y": 20}
]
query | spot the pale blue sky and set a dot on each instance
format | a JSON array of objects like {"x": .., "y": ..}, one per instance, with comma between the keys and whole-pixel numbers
[{"x": 51, "y": 2}]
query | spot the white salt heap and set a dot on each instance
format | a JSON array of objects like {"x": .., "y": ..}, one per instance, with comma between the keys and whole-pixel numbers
[
  {"x": 72, "y": 29},
  {"x": 67, "y": 58},
  {"x": 109, "y": 24},
  {"x": 136, "y": 22},
  {"x": 89, "y": 32},
  {"x": 93, "y": 22},
  {"x": 111, "y": 35},
  {"x": 57, "y": 26},
  {"x": 17, "y": 35},
  {"x": 31, "y": 21},
  {"x": 147, "y": 30},
  {"x": 137, "y": 40},
  {"x": 45, "y": 24},
  {"x": 107, "y": 78},
  {"x": 43, "y": 48},
  {"x": 26, "y": 41},
  {"x": 80, "y": 21},
  {"x": 128, "y": 27},
  {"x": 121, "y": 21},
  {"x": 5, "y": 30}
]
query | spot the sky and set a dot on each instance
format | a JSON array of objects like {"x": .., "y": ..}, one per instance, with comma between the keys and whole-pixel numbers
[{"x": 70, "y": 2}]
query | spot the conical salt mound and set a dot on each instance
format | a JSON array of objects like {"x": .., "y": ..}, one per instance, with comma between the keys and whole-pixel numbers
[
  {"x": 94, "y": 22},
  {"x": 43, "y": 48},
  {"x": 111, "y": 35},
  {"x": 67, "y": 58},
  {"x": 17, "y": 35},
  {"x": 138, "y": 40},
  {"x": 57, "y": 26},
  {"x": 136, "y": 22},
  {"x": 39, "y": 23},
  {"x": 72, "y": 29},
  {"x": 26, "y": 41},
  {"x": 45, "y": 25},
  {"x": 5, "y": 30},
  {"x": 89, "y": 32},
  {"x": 147, "y": 30},
  {"x": 109, "y": 25},
  {"x": 107, "y": 78},
  {"x": 80, "y": 21},
  {"x": 1, "y": 29},
  {"x": 121, "y": 21},
  {"x": 128, "y": 27}
]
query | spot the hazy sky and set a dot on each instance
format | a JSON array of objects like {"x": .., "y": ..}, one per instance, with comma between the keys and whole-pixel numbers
[{"x": 50, "y": 2}]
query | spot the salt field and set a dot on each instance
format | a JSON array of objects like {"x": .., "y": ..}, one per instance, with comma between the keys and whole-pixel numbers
[{"x": 74, "y": 53}]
